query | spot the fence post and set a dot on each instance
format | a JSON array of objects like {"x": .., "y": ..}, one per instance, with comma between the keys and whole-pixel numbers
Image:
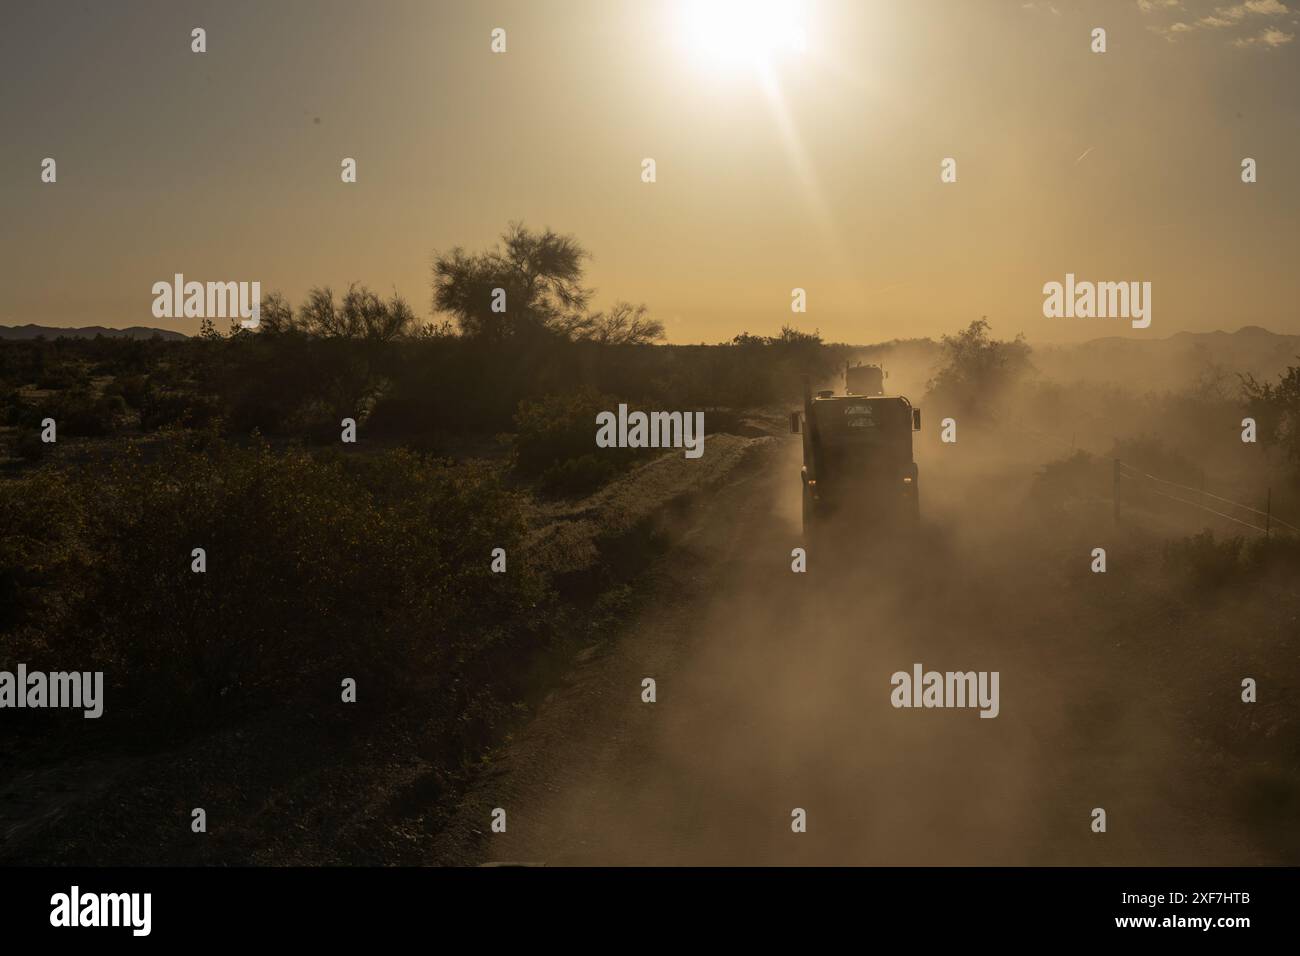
[{"x": 1115, "y": 493}]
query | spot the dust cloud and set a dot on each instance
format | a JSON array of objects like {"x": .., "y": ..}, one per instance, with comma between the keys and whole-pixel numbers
[{"x": 774, "y": 694}]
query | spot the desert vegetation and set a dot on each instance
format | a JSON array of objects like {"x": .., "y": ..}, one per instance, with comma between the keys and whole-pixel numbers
[{"x": 371, "y": 560}]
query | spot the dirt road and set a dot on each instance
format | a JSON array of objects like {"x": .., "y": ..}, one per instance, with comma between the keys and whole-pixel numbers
[{"x": 773, "y": 693}]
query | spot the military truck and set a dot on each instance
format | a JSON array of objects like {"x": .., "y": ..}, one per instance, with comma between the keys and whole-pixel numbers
[{"x": 858, "y": 470}]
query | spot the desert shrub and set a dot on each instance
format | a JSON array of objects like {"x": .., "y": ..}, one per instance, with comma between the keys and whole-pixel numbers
[
  {"x": 113, "y": 407},
  {"x": 1276, "y": 406},
  {"x": 1278, "y": 555},
  {"x": 171, "y": 409},
  {"x": 555, "y": 441},
  {"x": 1061, "y": 486},
  {"x": 556, "y": 428},
  {"x": 133, "y": 389},
  {"x": 59, "y": 376},
  {"x": 284, "y": 383},
  {"x": 978, "y": 370},
  {"x": 1205, "y": 562},
  {"x": 12, "y": 408},
  {"x": 41, "y": 559},
  {"x": 28, "y": 446},
  {"x": 374, "y": 568},
  {"x": 399, "y": 416},
  {"x": 79, "y": 412},
  {"x": 1150, "y": 454}
]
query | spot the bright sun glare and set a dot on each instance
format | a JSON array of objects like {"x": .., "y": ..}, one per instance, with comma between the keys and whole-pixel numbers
[{"x": 737, "y": 33}]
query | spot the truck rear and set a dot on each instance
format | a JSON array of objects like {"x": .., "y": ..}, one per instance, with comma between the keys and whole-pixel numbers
[{"x": 858, "y": 469}]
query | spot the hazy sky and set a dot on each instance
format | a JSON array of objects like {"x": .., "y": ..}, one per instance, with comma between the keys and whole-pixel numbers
[{"x": 780, "y": 164}]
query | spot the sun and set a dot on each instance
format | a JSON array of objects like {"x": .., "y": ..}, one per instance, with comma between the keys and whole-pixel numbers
[{"x": 731, "y": 34}]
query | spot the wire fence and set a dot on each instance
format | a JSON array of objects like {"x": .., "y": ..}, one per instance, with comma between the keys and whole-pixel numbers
[
  {"x": 1246, "y": 515},
  {"x": 1197, "y": 498}
]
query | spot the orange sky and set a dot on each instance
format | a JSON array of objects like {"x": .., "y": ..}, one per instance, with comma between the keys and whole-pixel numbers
[{"x": 776, "y": 167}]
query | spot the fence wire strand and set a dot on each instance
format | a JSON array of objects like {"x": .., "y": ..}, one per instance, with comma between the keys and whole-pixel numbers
[
  {"x": 1136, "y": 473},
  {"x": 1253, "y": 527},
  {"x": 1271, "y": 518}
]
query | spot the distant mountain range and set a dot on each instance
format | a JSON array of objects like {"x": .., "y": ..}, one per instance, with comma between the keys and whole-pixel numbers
[{"x": 24, "y": 332}]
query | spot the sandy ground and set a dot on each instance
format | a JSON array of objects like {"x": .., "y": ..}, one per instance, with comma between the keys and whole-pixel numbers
[{"x": 773, "y": 693}]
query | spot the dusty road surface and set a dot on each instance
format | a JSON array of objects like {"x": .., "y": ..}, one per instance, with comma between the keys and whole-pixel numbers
[{"x": 773, "y": 693}]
